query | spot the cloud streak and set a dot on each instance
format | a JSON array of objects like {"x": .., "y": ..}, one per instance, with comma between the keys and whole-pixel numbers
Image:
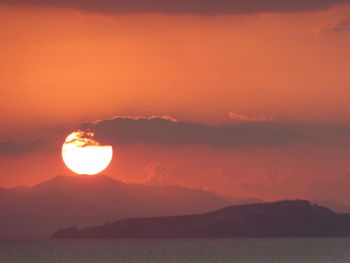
[{"x": 183, "y": 7}]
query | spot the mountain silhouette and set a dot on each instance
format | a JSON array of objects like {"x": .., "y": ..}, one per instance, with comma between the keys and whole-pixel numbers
[
  {"x": 297, "y": 218},
  {"x": 334, "y": 206},
  {"x": 35, "y": 212}
]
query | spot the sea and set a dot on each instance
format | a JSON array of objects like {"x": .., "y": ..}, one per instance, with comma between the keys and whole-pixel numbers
[{"x": 262, "y": 250}]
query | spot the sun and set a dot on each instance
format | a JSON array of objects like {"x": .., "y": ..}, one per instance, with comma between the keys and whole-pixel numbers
[{"x": 82, "y": 154}]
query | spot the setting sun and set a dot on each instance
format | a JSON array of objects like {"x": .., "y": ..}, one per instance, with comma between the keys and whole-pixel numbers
[{"x": 84, "y": 155}]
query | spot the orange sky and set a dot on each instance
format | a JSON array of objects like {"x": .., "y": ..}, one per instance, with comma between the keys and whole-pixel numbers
[
  {"x": 60, "y": 67},
  {"x": 80, "y": 67}
]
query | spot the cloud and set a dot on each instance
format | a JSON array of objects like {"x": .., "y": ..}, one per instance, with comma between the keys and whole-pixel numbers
[
  {"x": 165, "y": 131},
  {"x": 163, "y": 117},
  {"x": 261, "y": 178},
  {"x": 339, "y": 24},
  {"x": 123, "y": 131},
  {"x": 254, "y": 178},
  {"x": 241, "y": 117},
  {"x": 181, "y": 7},
  {"x": 264, "y": 182},
  {"x": 21, "y": 148},
  {"x": 158, "y": 174}
]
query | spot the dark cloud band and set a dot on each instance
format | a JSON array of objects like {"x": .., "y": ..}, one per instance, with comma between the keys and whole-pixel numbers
[
  {"x": 182, "y": 7},
  {"x": 169, "y": 132},
  {"x": 122, "y": 131}
]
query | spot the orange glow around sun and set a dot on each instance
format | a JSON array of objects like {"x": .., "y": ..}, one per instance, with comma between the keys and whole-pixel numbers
[{"x": 84, "y": 155}]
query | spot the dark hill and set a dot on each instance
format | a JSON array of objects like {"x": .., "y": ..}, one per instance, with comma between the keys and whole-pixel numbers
[
  {"x": 35, "y": 212},
  {"x": 280, "y": 219}
]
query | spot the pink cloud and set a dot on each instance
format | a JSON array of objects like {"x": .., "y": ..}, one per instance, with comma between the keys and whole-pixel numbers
[
  {"x": 338, "y": 24},
  {"x": 246, "y": 118}
]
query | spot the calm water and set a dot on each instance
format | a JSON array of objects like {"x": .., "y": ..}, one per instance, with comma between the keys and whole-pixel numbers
[{"x": 300, "y": 250}]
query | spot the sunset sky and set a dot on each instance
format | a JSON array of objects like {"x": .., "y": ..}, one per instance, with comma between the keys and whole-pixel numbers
[{"x": 248, "y": 99}]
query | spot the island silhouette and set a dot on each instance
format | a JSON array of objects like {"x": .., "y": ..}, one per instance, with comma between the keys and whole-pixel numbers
[{"x": 292, "y": 218}]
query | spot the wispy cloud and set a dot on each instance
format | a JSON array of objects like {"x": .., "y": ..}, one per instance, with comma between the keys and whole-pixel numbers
[
  {"x": 338, "y": 24},
  {"x": 247, "y": 118},
  {"x": 158, "y": 174},
  {"x": 150, "y": 117},
  {"x": 260, "y": 178}
]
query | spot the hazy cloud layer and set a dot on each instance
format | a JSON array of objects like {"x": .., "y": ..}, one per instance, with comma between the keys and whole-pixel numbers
[
  {"x": 21, "y": 148},
  {"x": 121, "y": 131},
  {"x": 180, "y": 7},
  {"x": 124, "y": 130},
  {"x": 171, "y": 132}
]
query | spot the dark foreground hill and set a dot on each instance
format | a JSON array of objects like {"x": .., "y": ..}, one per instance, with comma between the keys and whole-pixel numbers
[
  {"x": 280, "y": 219},
  {"x": 35, "y": 212}
]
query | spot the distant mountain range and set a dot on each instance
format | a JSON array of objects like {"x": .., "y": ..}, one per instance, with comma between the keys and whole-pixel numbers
[
  {"x": 35, "y": 212},
  {"x": 279, "y": 219}
]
